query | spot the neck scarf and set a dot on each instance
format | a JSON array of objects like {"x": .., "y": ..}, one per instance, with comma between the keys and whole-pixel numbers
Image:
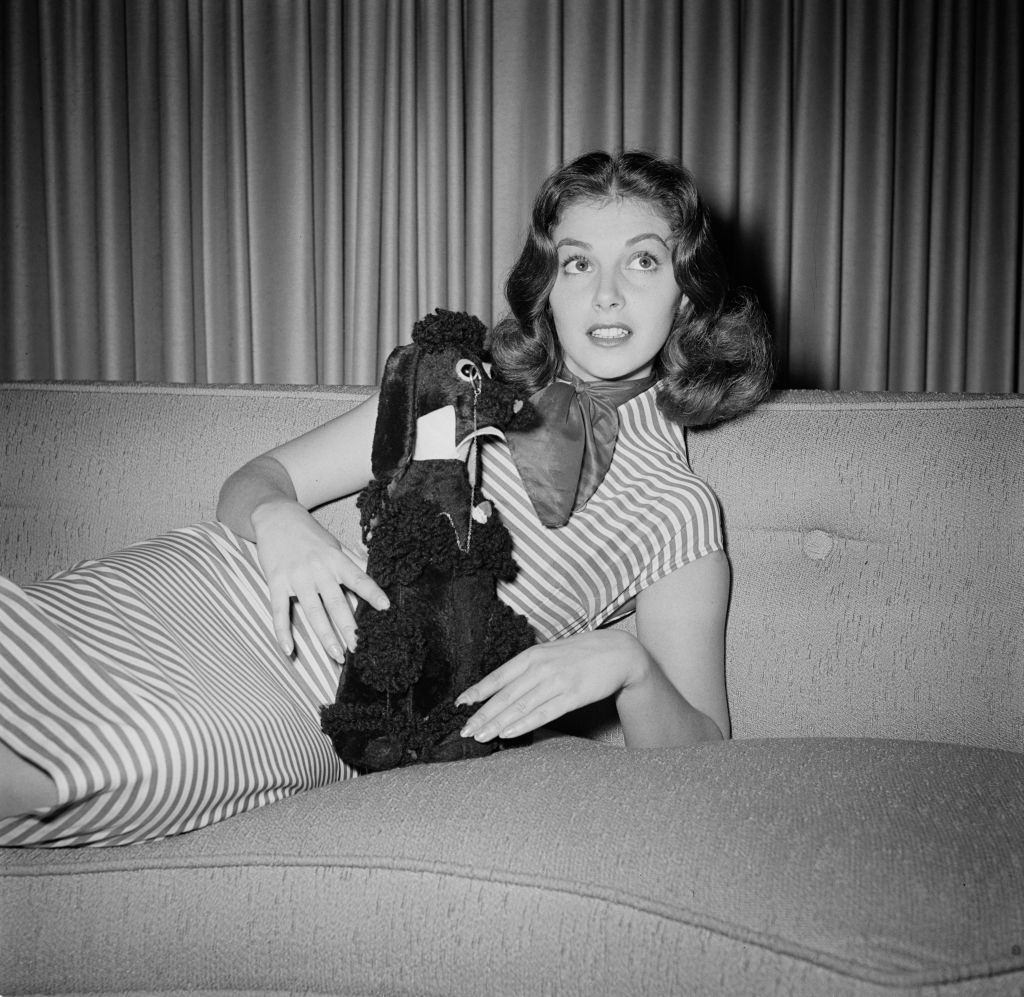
[{"x": 564, "y": 457}]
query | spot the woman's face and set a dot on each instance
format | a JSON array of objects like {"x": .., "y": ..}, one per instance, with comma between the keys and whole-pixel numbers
[{"x": 615, "y": 294}]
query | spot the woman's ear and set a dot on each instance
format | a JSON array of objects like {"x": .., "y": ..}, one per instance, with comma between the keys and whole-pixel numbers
[{"x": 394, "y": 435}]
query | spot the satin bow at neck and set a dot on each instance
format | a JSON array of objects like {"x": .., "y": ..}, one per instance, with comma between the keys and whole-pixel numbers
[{"x": 563, "y": 459}]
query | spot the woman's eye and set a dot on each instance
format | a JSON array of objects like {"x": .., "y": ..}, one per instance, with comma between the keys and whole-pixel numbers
[
  {"x": 576, "y": 265},
  {"x": 644, "y": 261}
]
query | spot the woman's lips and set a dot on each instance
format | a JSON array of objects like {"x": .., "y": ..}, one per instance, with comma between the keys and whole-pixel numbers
[{"x": 609, "y": 333}]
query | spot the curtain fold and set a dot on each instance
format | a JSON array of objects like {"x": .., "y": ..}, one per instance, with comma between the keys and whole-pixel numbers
[{"x": 274, "y": 190}]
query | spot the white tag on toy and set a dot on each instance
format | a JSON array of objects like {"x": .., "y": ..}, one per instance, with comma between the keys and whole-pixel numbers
[{"x": 435, "y": 435}]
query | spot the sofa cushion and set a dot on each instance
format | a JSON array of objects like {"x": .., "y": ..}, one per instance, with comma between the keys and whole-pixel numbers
[{"x": 758, "y": 866}]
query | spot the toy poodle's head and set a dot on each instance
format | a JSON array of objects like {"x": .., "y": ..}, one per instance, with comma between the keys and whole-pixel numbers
[{"x": 445, "y": 365}]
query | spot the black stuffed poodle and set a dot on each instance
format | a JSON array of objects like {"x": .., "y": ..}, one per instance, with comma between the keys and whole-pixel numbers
[{"x": 437, "y": 549}]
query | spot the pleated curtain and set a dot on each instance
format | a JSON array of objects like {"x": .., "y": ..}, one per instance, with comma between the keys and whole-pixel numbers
[{"x": 274, "y": 190}]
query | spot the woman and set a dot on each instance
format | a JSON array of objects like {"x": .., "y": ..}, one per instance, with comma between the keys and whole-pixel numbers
[{"x": 625, "y": 329}]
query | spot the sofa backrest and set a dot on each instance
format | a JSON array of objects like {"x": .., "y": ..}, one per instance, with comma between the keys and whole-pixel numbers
[{"x": 876, "y": 540}]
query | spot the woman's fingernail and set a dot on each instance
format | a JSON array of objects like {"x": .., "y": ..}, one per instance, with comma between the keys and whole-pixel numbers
[
  {"x": 468, "y": 730},
  {"x": 383, "y": 603},
  {"x": 336, "y": 652},
  {"x": 287, "y": 647}
]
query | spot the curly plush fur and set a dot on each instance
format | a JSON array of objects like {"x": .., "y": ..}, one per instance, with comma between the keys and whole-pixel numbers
[{"x": 438, "y": 551}]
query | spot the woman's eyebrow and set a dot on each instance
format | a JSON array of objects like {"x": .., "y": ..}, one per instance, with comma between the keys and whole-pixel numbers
[
  {"x": 642, "y": 237},
  {"x": 646, "y": 235}
]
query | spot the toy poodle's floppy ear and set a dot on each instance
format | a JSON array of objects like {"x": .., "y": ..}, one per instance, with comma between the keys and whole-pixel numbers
[
  {"x": 395, "y": 433},
  {"x": 394, "y": 437}
]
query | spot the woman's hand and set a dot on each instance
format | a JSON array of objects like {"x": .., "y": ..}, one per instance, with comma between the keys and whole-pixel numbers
[
  {"x": 668, "y": 681},
  {"x": 266, "y": 500},
  {"x": 549, "y": 680},
  {"x": 303, "y": 560}
]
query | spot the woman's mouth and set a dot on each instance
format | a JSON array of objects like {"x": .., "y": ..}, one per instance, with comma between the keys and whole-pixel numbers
[{"x": 609, "y": 333}]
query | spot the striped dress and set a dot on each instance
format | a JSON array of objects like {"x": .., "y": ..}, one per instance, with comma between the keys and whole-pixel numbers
[{"x": 150, "y": 686}]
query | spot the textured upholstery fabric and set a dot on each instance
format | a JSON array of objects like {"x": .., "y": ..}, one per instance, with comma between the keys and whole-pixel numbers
[
  {"x": 877, "y": 544},
  {"x": 811, "y": 866},
  {"x": 833, "y": 848},
  {"x": 90, "y": 468}
]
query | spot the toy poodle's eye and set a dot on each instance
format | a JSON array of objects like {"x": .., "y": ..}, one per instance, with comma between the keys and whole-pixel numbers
[{"x": 466, "y": 370}]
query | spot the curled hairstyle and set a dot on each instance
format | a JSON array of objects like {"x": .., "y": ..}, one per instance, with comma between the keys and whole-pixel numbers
[{"x": 717, "y": 360}]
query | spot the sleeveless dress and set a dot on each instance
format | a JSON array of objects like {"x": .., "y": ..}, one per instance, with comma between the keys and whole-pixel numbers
[{"x": 150, "y": 686}]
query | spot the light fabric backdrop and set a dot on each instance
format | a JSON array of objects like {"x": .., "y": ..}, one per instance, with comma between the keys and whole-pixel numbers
[{"x": 274, "y": 190}]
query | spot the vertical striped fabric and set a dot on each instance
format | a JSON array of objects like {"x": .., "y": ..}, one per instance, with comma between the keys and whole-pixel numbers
[
  {"x": 150, "y": 686},
  {"x": 650, "y": 516}
]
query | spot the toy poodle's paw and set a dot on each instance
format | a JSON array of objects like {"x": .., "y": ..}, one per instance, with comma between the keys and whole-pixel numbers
[
  {"x": 455, "y": 748},
  {"x": 382, "y": 753}
]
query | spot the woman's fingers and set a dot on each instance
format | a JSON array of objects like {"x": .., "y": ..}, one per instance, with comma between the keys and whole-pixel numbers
[
  {"x": 327, "y": 583},
  {"x": 538, "y": 717},
  {"x": 329, "y": 613},
  {"x": 495, "y": 681},
  {"x": 312, "y": 605},
  {"x": 341, "y": 596},
  {"x": 281, "y": 614},
  {"x": 342, "y": 621},
  {"x": 548, "y": 680},
  {"x": 524, "y": 712},
  {"x": 521, "y": 696},
  {"x": 351, "y": 574}
]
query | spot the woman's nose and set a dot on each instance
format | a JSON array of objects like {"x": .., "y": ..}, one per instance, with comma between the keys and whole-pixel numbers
[{"x": 608, "y": 293}]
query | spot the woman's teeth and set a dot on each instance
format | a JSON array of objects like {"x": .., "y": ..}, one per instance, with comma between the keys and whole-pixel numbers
[{"x": 609, "y": 333}]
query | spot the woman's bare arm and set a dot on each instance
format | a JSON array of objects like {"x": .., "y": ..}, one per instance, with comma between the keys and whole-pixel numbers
[
  {"x": 668, "y": 681},
  {"x": 680, "y": 622},
  {"x": 326, "y": 463},
  {"x": 268, "y": 501}
]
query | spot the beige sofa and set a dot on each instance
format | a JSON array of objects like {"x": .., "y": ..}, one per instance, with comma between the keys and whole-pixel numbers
[{"x": 862, "y": 834}]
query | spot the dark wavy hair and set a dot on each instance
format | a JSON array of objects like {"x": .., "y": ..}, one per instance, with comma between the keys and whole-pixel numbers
[{"x": 717, "y": 361}]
